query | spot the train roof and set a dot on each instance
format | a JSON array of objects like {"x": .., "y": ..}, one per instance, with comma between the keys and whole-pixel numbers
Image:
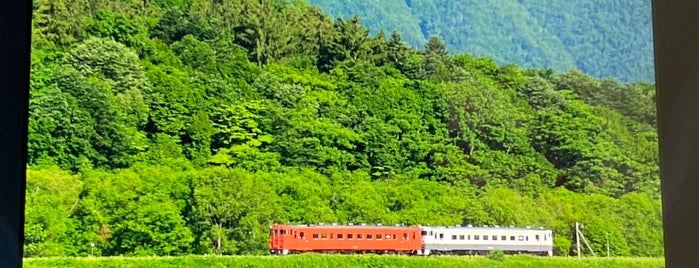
[
  {"x": 457, "y": 227},
  {"x": 321, "y": 225},
  {"x": 485, "y": 227}
]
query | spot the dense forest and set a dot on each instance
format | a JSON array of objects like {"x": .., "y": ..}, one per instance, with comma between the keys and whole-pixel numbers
[
  {"x": 603, "y": 38},
  {"x": 175, "y": 127}
]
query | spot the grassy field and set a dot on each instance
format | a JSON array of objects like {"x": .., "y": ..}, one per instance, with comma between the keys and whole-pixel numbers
[{"x": 340, "y": 261}]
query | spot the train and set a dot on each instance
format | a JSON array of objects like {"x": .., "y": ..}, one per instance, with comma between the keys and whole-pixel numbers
[{"x": 419, "y": 240}]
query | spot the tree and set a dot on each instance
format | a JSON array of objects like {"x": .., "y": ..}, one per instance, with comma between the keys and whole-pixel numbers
[
  {"x": 52, "y": 196},
  {"x": 233, "y": 211},
  {"x": 132, "y": 33},
  {"x": 267, "y": 30},
  {"x": 59, "y": 131},
  {"x": 348, "y": 41},
  {"x": 436, "y": 62},
  {"x": 116, "y": 140},
  {"x": 398, "y": 53},
  {"x": 59, "y": 21},
  {"x": 135, "y": 211},
  {"x": 117, "y": 67},
  {"x": 195, "y": 53}
]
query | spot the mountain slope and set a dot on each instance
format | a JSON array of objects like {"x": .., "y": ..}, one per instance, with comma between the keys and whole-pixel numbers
[{"x": 609, "y": 38}]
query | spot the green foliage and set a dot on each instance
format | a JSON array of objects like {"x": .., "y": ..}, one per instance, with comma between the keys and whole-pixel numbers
[
  {"x": 194, "y": 53},
  {"x": 188, "y": 127},
  {"x": 52, "y": 196},
  {"x": 232, "y": 206},
  {"x": 496, "y": 255},
  {"x": 111, "y": 61},
  {"x": 130, "y": 32},
  {"x": 133, "y": 212},
  {"x": 59, "y": 21}
]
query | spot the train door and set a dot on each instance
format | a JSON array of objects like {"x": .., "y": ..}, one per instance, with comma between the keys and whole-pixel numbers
[
  {"x": 277, "y": 239},
  {"x": 544, "y": 242},
  {"x": 273, "y": 239}
]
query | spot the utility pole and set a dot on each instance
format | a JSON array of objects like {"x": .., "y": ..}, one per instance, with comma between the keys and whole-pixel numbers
[
  {"x": 606, "y": 235},
  {"x": 577, "y": 239},
  {"x": 584, "y": 240}
]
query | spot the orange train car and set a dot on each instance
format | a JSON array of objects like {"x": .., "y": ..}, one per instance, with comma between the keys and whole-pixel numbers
[{"x": 290, "y": 239}]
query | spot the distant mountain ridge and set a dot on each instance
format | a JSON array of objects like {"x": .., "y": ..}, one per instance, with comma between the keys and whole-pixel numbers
[{"x": 604, "y": 38}]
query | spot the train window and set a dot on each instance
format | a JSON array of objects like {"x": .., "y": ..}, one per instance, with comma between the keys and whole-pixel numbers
[
  {"x": 405, "y": 236},
  {"x": 469, "y": 237},
  {"x": 350, "y": 236},
  {"x": 512, "y": 238},
  {"x": 394, "y": 236},
  {"x": 430, "y": 232},
  {"x": 340, "y": 236},
  {"x": 324, "y": 236},
  {"x": 315, "y": 236},
  {"x": 485, "y": 237},
  {"x": 537, "y": 237},
  {"x": 527, "y": 238},
  {"x": 425, "y": 233},
  {"x": 462, "y": 237},
  {"x": 379, "y": 237},
  {"x": 332, "y": 236},
  {"x": 302, "y": 235},
  {"x": 521, "y": 238},
  {"x": 441, "y": 236},
  {"x": 453, "y": 237},
  {"x": 359, "y": 236},
  {"x": 495, "y": 237},
  {"x": 388, "y": 236},
  {"x": 414, "y": 237},
  {"x": 504, "y": 237},
  {"x": 368, "y": 236},
  {"x": 476, "y": 237}
]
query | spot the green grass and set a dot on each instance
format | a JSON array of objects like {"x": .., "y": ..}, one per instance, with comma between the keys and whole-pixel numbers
[{"x": 340, "y": 261}]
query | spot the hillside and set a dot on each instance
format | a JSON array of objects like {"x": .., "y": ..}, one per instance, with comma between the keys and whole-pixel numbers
[
  {"x": 189, "y": 127},
  {"x": 608, "y": 38}
]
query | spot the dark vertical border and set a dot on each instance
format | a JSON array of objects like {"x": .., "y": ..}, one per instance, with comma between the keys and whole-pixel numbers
[
  {"x": 15, "y": 35},
  {"x": 676, "y": 34}
]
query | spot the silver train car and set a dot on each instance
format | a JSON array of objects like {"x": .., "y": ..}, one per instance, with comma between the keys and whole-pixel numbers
[{"x": 471, "y": 240}]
